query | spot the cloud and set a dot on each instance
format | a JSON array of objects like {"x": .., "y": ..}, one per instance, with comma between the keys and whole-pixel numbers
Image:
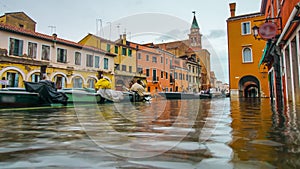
[
  {"x": 217, "y": 33},
  {"x": 173, "y": 35}
]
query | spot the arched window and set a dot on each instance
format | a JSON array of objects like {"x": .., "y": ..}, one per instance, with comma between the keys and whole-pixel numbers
[
  {"x": 60, "y": 81},
  {"x": 247, "y": 55},
  {"x": 77, "y": 82},
  {"x": 91, "y": 83}
]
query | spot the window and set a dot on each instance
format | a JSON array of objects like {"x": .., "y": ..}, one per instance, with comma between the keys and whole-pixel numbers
[
  {"x": 123, "y": 67},
  {"x": 105, "y": 62},
  {"x": 161, "y": 74},
  {"x": 60, "y": 81},
  {"x": 89, "y": 60},
  {"x": 108, "y": 47},
  {"x": 166, "y": 75},
  {"x": 45, "y": 52},
  {"x": 147, "y": 72},
  {"x": 97, "y": 61},
  {"x": 117, "y": 67},
  {"x": 130, "y": 69},
  {"x": 161, "y": 60},
  {"x": 77, "y": 58},
  {"x": 13, "y": 79},
  {"x": 180, "y": 76},
  {"x": 246, "y": 28},
  {"x": 154, "y": 59},
  {"x": 35, "y": 77},
  {"x": 116, "y": 49},
  {"x": 247, "y": 55},
  {"x": 154, "y": 78},
  {"x": 171, "y": 77},
  {"x": 61, "y": 55},
  {"x": 175, "y": 75},
  {"x": 15, "y": 47},
  {"x": 77, "y": 82},
  {"x": 129, "y": 52},
  {"x": 166, "y": 61},
  {"x": 147, "y": 57},
  {"x": 139, "y": 56},
  {"x": 32, "y": 49},
  {"x": 140, "y": 70},
  {"x": 91, "y": 83},
  {"x": 123, "y": 51}
]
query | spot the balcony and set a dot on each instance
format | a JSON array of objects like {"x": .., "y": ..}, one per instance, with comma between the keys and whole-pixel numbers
[{"x": 155, "y": 79}]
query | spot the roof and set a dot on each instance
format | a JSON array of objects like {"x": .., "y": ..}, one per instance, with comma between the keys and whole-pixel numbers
[
  {"x": 25, "y": 32},
  {"x": 16, "y": 13},
  {"x": 194, "y": 23},
  {"x": 246, "y": 16}
]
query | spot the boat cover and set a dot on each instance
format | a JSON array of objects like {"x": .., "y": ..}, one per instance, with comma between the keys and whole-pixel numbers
[
  {"x": 111, "y": 95},
  {"x": 47, "y": 91}
]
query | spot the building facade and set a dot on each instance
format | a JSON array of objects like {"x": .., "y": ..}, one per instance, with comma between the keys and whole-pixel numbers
[
  {"x": 192, "y": 48},
  {"x": 125, "y": 62},
  {"x": 25, "y": 54},
  {"x": 283, "y": 50},
  {"x": 246, "y": 78}
]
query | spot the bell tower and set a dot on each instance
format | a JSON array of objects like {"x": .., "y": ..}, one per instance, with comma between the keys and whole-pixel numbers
[{"x": 195, "y": 36}]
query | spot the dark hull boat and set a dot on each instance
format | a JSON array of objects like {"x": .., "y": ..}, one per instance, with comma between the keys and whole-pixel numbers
[
  {"x": 179, "y": 95},
  {"x": 10, "y": 97},
  {"x": 33, "y": 95}
]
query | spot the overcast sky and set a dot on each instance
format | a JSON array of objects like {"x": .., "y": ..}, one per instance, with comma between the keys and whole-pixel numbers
[{"x": 142, "y": 20}]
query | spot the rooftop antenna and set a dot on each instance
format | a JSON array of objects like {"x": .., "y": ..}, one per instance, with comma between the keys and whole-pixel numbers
[
  {"x": 118, "y": 27},
  {"x": 109, "y": 29},
  {"x": 99, "y": 28},
  {"x": 53, "y": 29}
]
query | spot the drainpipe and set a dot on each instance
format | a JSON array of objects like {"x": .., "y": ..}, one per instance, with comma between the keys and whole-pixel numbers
[{"x": 294, "y": 13}]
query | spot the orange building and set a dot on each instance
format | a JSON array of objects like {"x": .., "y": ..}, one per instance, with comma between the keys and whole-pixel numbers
[
  {"x": 164, "y": 71},
  {"x": 246, "y": 78},
  {"x": 283, "y": 50}
]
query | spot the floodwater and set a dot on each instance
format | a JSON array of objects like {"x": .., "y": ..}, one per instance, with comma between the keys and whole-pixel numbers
[{"x": 183, "y": 134}]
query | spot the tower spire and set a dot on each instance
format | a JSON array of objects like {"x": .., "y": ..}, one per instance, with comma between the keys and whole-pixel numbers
[
  {"x": 195, "y": 36},
  {"x": 194, "y": 23}
]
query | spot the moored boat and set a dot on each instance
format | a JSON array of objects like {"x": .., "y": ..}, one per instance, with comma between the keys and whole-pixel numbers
[
  {"x": 179, "y": 95},
  {"x": 19, "y": 97},
  {"x": 81, "y": 95}
]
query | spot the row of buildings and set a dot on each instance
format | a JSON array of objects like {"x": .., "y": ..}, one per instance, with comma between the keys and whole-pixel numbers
[
  {"x": 264, "y": 52},
  {"x": 182, "y": 66}
]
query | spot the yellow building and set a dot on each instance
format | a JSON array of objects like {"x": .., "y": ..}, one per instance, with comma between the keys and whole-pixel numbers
[
  {"x": 25, "y": 53},
  {"x": 125, "y": 62},
  {"x": 247, "y": 78}
]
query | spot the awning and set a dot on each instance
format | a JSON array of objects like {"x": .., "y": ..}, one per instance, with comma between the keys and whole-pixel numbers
[{"x": 264, "y": 54}]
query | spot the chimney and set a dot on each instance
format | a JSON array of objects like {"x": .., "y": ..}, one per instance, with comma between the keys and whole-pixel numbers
[
  {"x": 54, "y": 35},
  {"x": 232, "y": 9},
  {"x": 124, "y": 39}
]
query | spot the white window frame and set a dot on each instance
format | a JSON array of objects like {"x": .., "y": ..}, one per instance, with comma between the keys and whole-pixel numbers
[
  {"x": 248, "y": 30},
  {"x": 243, "y": 54},
  {"x": 35, "y": 50}
]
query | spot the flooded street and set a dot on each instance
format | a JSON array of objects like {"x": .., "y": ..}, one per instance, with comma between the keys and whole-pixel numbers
[{"x": 217, "y": 133}]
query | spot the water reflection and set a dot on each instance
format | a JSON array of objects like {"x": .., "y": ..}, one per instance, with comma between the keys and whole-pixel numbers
[
  {"x": 263, "y": 137},
  {"x": 221, "y": 133}
]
